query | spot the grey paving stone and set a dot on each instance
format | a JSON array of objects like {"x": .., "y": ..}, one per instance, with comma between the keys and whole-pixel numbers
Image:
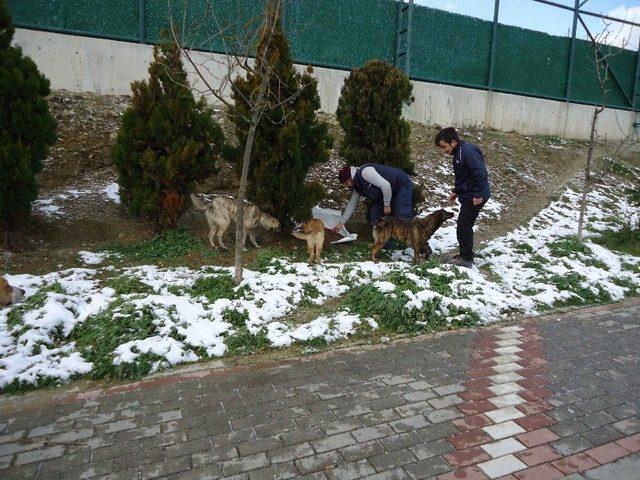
[
  {"x": 566, "y": 428},
  {"x": 444, "y": 402},
  {"x": 333, "y": 442},
  {"x": 292, "y": 452},
  {"x": 372, "y": 433},
  {"x": 628, "y": 426},
  {"x": 602, "y": 435},
  {"x": 409, "y": 423},
  {"x": 428, "y": 468},
  {"x": 163, "y": 469},
  {"x": 362, "y": 450},
  {"x": 570, "y": 445},
  {"x": 341, "y": 426},
  {"x": 244, "y": 464},
  {"x": 39, "y": 455},
  {"x": 438, "y": 416},
  {"x": 395, "y": 474},
  {"x": 431, "y": 449},
  {"x": 208, "y": 472},
  {"x": 259, "y": 445},
  {"x": 279, "y": 471},
  {"x": 219, "y": 454},
  {"x": 128, "y": 462},
  {"x": 349, "y": 471},
  {"x": 624, "y": 469},
  {"x": 449, "y": 389},
  {"x": 391, "y": 460},
  {"x": 438, "y": 431},
  {"x": 318, "y": 462},
  {"x": 597, "y": 419},
  {"x": 401, "y": 441}
]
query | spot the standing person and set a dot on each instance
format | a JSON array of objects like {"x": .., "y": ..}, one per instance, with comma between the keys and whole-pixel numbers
[
  {"x": 389, "y": 189},
  {"x": 471, "y": 188}
]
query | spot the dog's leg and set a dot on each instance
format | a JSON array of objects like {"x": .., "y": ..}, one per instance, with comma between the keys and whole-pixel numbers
[
  {"x": 318, "y": 249},
  {"x": 310, "y": 251},
  {"x": 212, "y": 237},
  {"x": 244, "y": 239},
  {"x": 416, "y": 252},
  {"x": 376, "y": 248},
  {"x": 221, "y": 231},
  {"x": 428, "y": 251},
  {"x": 252, "y": 237}
]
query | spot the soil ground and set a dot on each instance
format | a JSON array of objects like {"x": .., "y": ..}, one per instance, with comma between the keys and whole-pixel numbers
[{"x": 526, "y": 172}]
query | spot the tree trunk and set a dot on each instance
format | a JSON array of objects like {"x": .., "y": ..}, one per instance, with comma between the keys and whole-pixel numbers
[
  {"x": 242, "y": 190},
  {"x": 6, "y": 234},
  {"x": 587, "y": 174}
]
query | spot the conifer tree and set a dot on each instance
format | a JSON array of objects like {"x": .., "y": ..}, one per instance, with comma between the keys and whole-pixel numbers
[
  {"x": 27, "y": 129},
  {"x": 289, "y": 139},
  {"x": 167, "y": 141},
  {"x": 370, "y": 113}
]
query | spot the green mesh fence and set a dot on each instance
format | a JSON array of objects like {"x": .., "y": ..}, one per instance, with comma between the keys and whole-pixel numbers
[
  {"x": 445, "y": 47},
  {"x": 449, "y": 48}
]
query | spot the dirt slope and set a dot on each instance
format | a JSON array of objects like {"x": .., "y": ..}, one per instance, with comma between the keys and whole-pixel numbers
[{"x": 76, "y": 211}]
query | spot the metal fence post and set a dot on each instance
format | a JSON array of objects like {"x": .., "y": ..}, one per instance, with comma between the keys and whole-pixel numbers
[
  {"x": 407, "y": 57},
  {"x": 142, "y": 30},
  {"x": 283, "y": 16},
  {"x": 636, "y": 83},
  {"x": 494, "y": 36},
  {"x": 572, "y": 51}
]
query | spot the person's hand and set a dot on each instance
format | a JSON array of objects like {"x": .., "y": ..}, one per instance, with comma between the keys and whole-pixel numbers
[
  {"x": 477, "y": 201},
  {"x": 387, "y": 210},
  {"x": 452, "y": 198},
  {"x": 337, "y": 228}
]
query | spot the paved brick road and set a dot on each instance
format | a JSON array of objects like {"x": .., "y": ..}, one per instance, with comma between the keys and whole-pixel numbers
[{"x": 555, "y": 397}]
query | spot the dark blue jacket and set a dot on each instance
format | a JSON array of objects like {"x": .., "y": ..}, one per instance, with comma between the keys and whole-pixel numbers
[
  {"x": 396, "y": 177},
  {"x": 472, "y": 179}
]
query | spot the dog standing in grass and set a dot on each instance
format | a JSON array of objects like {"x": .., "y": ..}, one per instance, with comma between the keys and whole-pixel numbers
[
  {"x": 313, "y": 233},
  {"x": 9, "y": 294},
  {"x": 415, "y": 233},
  {"x": 221, "y": 213}
]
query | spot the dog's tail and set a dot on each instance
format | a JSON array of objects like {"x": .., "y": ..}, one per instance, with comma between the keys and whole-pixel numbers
[
  {"x": 199, "y": 204},
  {"x": 301, "y": 236}
]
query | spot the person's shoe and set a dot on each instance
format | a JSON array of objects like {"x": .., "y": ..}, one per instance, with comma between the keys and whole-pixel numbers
[{"x": 461, "y": 262}]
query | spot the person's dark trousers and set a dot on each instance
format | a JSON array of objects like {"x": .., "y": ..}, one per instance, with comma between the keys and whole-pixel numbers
[
  {"x": 401, "y": 205},
  {"x": 466, "y": 219}
]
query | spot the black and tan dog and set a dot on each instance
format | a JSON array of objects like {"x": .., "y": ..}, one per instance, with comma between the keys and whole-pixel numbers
[{"x": 415, "y": 233}]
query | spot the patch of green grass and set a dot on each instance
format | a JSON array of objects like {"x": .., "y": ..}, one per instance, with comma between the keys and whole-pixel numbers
[
  {"x": 235, "y": 318},
  {"x": 242, "y": 342},
  {"x": 572, "y": 282},
  {"x": 352, "y": 252},
  {"x": 393, "y": 316},
  {"x": 99, "y": 335},
  {"x": 267, "y": 258},
  {"x": 170, "y": 245},
  {"x": 438, "y": 282},
  {"x": 18, "y": 386},
  {"x": 126, "y": 285},
  {"x": 213, "y": 287},
  {"x": 35, "y": 301},
  {"x": 633, "y": 289},
  {"x": 626, "y": 240},
  {"x": 566, "y": 246},
  {"x": 522, "y": 248}
]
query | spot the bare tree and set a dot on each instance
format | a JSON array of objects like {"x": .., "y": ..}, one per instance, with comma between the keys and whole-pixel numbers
[
  {"x": 601, "y": 62},
  {"x": 216, "y": 73}
]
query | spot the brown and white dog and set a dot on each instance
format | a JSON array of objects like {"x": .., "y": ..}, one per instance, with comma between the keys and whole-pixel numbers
[
  {"x": 415, "y": 233},
  {"x": 221, "y": 212},
  {"x": 9, "y": 294},
  {"x": 313, "y": 233}
]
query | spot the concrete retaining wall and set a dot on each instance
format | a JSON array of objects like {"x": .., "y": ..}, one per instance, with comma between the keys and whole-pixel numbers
[{"x": 108, "y": 67}]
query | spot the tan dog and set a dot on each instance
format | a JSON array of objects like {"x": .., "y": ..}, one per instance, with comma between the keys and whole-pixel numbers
[
  {"x": 313, "y": 233},
  {"x": 221, "y": 213},
  {"x": 9, "y": 294},
  {"x": 415, "y": 233}
]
